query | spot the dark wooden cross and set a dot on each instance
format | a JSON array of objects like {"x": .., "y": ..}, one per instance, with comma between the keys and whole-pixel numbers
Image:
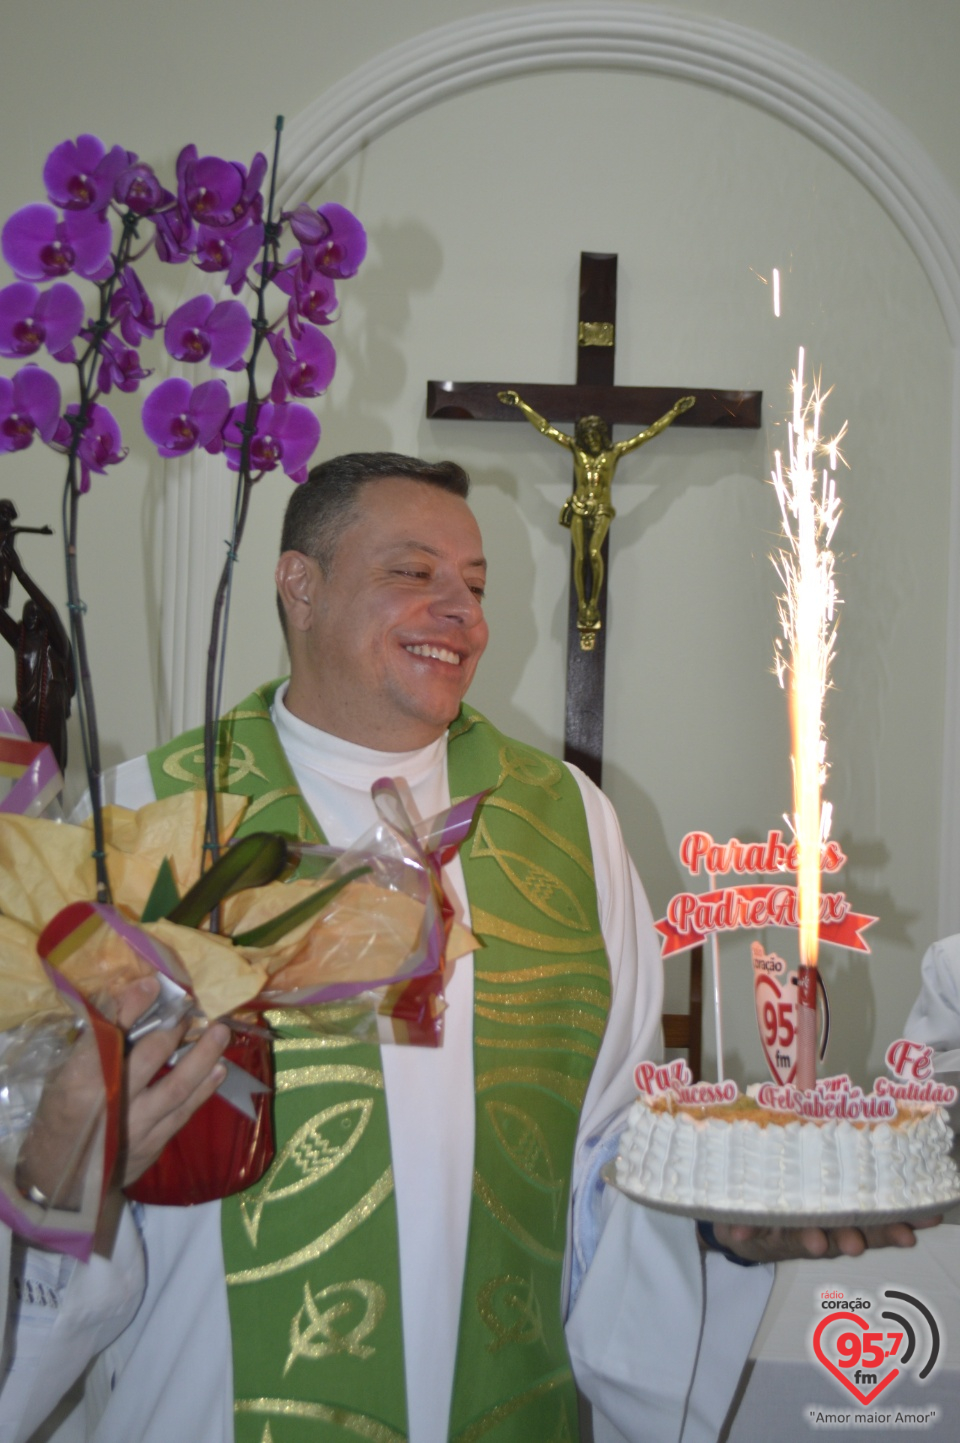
[{"x": 593, "y": 395}]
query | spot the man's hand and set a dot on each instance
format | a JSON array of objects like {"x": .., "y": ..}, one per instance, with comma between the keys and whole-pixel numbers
[
  {"x": 53, "y": 1159},
  {"x": 155, "y": 1111},
  {"x": 776, "y": 1245}
]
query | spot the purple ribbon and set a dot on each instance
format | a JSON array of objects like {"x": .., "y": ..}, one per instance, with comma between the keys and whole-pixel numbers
[{"x": 41, "y": 781}]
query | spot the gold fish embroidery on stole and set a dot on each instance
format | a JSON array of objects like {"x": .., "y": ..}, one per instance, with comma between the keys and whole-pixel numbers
[
  {"x": 542, "y": 888},
  {"x": 505, "y": 1296},
  {"x": 358, "y": 1214},
  {"x": 525, "y": 1144},
  {"x": 485, "y": 924},
  {"x": 314, "y": 1150},
  {"x": 234, "y": 764},
  {"x": 513, "y": 1226},
  {"x": 356, "y": 1423},
  {"x": 556, "y": 839},
  {"x": 530, "y": 769},
  {"x": 503, "y": 1411},
  {"x": 317, "y": 1331}
]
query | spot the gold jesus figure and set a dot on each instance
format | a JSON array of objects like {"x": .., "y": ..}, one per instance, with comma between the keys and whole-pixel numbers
[{"x": 589, "y": 511}]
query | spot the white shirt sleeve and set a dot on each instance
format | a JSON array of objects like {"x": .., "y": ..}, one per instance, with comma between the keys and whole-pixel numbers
[
  {"x": 658, "y": 1333},
  {"x": 61, "y": 1315},
  {"x": 935, "y": 1016}
]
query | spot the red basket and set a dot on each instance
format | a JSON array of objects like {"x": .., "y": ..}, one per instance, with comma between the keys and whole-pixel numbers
[{"x": 219, "y": 1151}]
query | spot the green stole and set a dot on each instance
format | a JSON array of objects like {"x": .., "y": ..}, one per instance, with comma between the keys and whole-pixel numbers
[{"x": 311, "y": 1251}]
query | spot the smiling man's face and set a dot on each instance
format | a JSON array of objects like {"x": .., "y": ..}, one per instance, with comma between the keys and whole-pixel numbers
[{"x": 384, "y": 646}]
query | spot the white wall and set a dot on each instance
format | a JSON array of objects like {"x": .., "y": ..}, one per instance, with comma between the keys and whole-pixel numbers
[{"x": 477, "y": 210}]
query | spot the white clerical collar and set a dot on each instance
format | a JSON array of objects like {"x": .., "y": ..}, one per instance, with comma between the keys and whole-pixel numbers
[{"x": 310, "y": 748}]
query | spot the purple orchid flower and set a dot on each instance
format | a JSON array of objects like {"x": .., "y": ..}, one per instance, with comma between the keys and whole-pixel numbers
[
  {"x": 251, "y": 201},
  {"x": 312, "y": 302},
  {"x": 284, "y": 436},
  {"x": 80, "y": 174},
  {"x": 308, "y": 225},
  {"x": 313, "y": 297},
  {"x": 30, "y": 319},
  {"x": 37, "y": 246},
  {"x": 176, "y": 236},
  {"x": 233, "y": 251},
  {"x": 333, "y": 240},
  {"x": 200, "y": 329},
  {"x": 304, "y": 369},
  {"x": 135, "y": 309},
  {"x": 119, "y": 366},
  {"x": 138, "y": 188},
  {"x": 177, "y": 416},
  {"x": 29, "y": 406},
  {"x": 217, "y": 192},
  {"x": 100, "y": 444}
]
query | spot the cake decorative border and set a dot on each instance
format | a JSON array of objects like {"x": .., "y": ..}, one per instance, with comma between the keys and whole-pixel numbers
[{"x": 758, "y": 1217}]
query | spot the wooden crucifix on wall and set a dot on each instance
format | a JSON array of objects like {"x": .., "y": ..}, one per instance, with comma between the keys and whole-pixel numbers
[{"x": 594, "y": 404}]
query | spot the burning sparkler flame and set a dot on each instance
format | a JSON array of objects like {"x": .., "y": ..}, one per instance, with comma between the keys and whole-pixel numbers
[{"x": 810, "y": 509}]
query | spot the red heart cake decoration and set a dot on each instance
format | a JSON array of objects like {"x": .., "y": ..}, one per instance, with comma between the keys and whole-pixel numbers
[{"x": 776, "y": 1012}]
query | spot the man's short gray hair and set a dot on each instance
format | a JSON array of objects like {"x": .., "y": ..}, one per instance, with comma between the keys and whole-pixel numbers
[{"x": 320, "y": 510}]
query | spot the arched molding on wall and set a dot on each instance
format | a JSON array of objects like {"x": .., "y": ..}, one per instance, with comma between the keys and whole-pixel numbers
[{"x": 798, "y": 89}]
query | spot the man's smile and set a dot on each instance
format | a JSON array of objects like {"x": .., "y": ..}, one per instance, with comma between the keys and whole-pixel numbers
[{"x": 435, "y": 653}]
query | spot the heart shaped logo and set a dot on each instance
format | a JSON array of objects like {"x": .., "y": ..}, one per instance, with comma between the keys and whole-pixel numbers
[
  {"x": 775, "y": 998},
  {"x": 858, "y": 1357}
]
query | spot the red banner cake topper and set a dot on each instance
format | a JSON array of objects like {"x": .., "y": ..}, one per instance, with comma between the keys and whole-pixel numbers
[{"x": 692, "y": 916}]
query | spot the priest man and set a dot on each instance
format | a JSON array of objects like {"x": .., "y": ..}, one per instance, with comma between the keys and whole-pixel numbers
[{"x": 432, "y": 1255}]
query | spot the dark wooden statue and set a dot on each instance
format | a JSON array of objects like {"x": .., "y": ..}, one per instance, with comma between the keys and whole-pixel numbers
[{"x": 45, "y": 675}]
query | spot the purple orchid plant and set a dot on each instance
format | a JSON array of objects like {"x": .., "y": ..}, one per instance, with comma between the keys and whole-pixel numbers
[{"x": 105, "y": 209}]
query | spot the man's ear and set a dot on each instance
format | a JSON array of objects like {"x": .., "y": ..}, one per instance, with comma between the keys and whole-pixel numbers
[{"x": 297, "y": 576}]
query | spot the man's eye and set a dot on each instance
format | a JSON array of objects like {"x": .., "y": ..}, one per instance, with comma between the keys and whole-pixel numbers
[
  {"x": 411, "y": 571},
  {"x": 479, "y": 592}
]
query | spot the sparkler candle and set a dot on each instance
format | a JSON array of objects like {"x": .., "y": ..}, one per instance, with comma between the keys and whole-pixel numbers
[{"x": 810, "y": 509}]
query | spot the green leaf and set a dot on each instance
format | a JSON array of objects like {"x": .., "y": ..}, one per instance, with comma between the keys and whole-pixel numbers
[
  {"x": 252, "y": 862},
  {"x": 269, "y": 932},
  {"x": 310, "y": 868},
  {"x": 163, "y": 894}
]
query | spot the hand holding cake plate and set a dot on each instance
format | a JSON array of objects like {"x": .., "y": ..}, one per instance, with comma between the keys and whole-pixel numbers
[{"x": 781, "y": 1244}]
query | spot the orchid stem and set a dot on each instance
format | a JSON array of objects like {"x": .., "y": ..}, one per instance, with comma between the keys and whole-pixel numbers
[
  {"x": 216, "y": 651},
  {"x": 86, "y": 707}
]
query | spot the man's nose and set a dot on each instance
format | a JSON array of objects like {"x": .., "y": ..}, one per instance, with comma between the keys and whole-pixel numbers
[{"x": 457, "y": 601}]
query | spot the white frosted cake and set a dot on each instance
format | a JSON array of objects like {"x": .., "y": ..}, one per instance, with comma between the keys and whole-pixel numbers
[{"x": 749, "y": 1158}]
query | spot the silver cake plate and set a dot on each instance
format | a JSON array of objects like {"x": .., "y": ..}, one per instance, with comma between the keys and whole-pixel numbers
[{"x": 848, "y": 1217}]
